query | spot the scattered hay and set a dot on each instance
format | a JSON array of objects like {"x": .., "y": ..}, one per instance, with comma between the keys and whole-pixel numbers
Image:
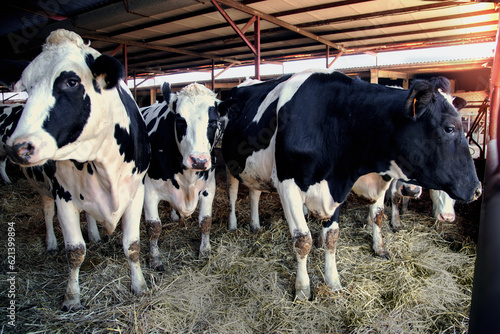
[{"x": 247, "y": 284}]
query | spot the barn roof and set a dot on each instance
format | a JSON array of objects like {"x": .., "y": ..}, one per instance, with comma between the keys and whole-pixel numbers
[{"x": 177, "y": 35}]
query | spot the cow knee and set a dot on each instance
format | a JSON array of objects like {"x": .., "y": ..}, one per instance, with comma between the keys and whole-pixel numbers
[
  {"x": 206, "y": 225},
  {"x": 330, "y": 239},
  {"x": 76, "y": 255},
  {"x": 153, "y": 229},
  {"x": 133, "y": 252},
  {"x": 302, "y": 244}
]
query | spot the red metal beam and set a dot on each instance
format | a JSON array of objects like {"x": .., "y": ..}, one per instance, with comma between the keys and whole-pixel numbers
[
  {"x": 233, "y": 25},
  {"x": 256, "y": 31}
]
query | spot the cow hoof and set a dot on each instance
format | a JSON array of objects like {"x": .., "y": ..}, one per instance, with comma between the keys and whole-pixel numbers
[
  {"x": 303, "y": 294},
  {"x": 51, "y": 252},
  {"x": 396, "y": 229},
  {"x": 71, "y": 305},
  {"x": 204, "y": 254},
  {"x": 255, "y": 229},
  {"x": 384, "y": 255},
  {"x": 156, "y": 264}
]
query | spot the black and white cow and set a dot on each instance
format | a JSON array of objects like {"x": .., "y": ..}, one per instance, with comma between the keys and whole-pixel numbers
[
  {"x": 182, "y": 133},
  {"x": 328, "y": 130},
  {"x": 81, "y": 115},
  {"x": 372, "y": 187}
]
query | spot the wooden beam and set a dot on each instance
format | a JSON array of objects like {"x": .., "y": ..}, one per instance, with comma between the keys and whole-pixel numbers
[
  {"x": 280, "y": 23},
  {"x": 157, "y": 47}
]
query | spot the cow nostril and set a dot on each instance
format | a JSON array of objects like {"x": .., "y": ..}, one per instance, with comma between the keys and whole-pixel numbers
[
  {"x": 477, "y": 193},
  {"x": 21, "y": 152}
]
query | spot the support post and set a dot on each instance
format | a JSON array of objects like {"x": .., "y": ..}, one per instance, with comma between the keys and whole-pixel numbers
[
  {"x": 213, "y": 75},
  {"x": 256, "y": 33},
  {"x": 485, "y": 304}
]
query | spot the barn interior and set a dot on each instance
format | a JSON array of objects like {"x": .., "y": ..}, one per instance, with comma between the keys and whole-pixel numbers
[{"x": 158, "y": 38}]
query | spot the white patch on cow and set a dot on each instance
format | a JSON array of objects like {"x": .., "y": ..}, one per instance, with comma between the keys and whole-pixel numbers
[
  {"x": 319, "y": 201},
  {"x": 270, "y": 98},
  {"x": 395, "y": 172},
  {"x": 249, "y": 82},
  {"x": 442, "y": 205},
  {"x": 259, "y": 167},
  {"x": 448, "y": 97}
]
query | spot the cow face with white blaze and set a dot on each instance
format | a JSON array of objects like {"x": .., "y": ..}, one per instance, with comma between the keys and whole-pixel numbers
[
  {"x": 196, "y": 120},
  {"x": 68, "y": 102}
]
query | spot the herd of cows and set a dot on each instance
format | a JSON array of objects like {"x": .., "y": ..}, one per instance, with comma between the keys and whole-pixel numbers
[{"x": 313, "y": 137}]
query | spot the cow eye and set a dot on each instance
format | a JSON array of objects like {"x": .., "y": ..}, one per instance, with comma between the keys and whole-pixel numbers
[
  {"x": 72, "y": 83},
  {"x": 449, "y": 129}
]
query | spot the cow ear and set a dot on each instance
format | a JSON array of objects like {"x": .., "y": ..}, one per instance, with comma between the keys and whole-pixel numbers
[
  {"x": 108, "y": 69},
  {"x": 172, "y": 104},
  {"x": 166, "y": 90},
  {"x": 458, "y": 102},
  {"x": 421, "y": 93}
]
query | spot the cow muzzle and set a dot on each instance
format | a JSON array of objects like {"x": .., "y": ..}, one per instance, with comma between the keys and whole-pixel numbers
[
  {"x": 199, "y": 162},
  {"x": 21, "y": 153}
]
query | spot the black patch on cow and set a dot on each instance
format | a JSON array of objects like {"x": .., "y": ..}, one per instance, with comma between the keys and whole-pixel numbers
[
  {"x": 334, "y": 218},
  {"x": 213, "y": 121},
  {"x": 133, "y": 142},
  {"x": 386, "y": 178},
  {"x": 81, "y": 197},
  {"x": 242, "y": 137},
  {"x": 111, "y": 68},
  {"x": 9, "y": 117},
  {"x": 203, "y": 175},
  {"x": 70, "y": 112},
  {"x": 48, "y": 170},
  {"x": 166, "y": 160},
  {"x": 205, "y": 193},
  {"x": 78, "y": 165},
  {"x": 89, "y": 169},
  {"x": 180, "y": 127}
]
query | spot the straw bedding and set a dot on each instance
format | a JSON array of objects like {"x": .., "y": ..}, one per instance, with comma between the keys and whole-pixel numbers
[{"x": 246, "y": 286}]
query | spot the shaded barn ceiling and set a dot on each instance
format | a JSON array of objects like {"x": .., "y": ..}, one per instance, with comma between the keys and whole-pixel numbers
[{"x": 178, "y": 35}]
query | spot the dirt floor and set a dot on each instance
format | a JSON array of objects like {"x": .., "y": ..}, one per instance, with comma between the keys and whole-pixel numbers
[{"x": 246, "y": 286}]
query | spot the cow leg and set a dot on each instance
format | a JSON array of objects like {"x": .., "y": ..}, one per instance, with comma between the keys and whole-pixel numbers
[
  {"x": 396, "y": 202},
  {"x": 131, "y": 223},
  {"x": 254, "y": 209},
  {"x": 153, "y": 228},
  {"x": 3, "y": 173},
  {"x": 292, "y": 202},
  {"x": 205, "y": 215},
  {"x": 69, "y": 219},
  {"x": 330, "y": 236},
  {"x": 232, "y": 193},
  {"x": 377, "y": 217},
  {"x": 48, "y": 213},
  {"x": 92, "y": 230}
]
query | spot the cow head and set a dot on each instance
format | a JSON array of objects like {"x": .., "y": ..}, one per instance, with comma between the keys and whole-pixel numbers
[
  {"x": 196, "y": 121},
  {"x": 404, "y": 189},
  {"x": 431, "y": 143},
  {"x": 67, "y": 113}
]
